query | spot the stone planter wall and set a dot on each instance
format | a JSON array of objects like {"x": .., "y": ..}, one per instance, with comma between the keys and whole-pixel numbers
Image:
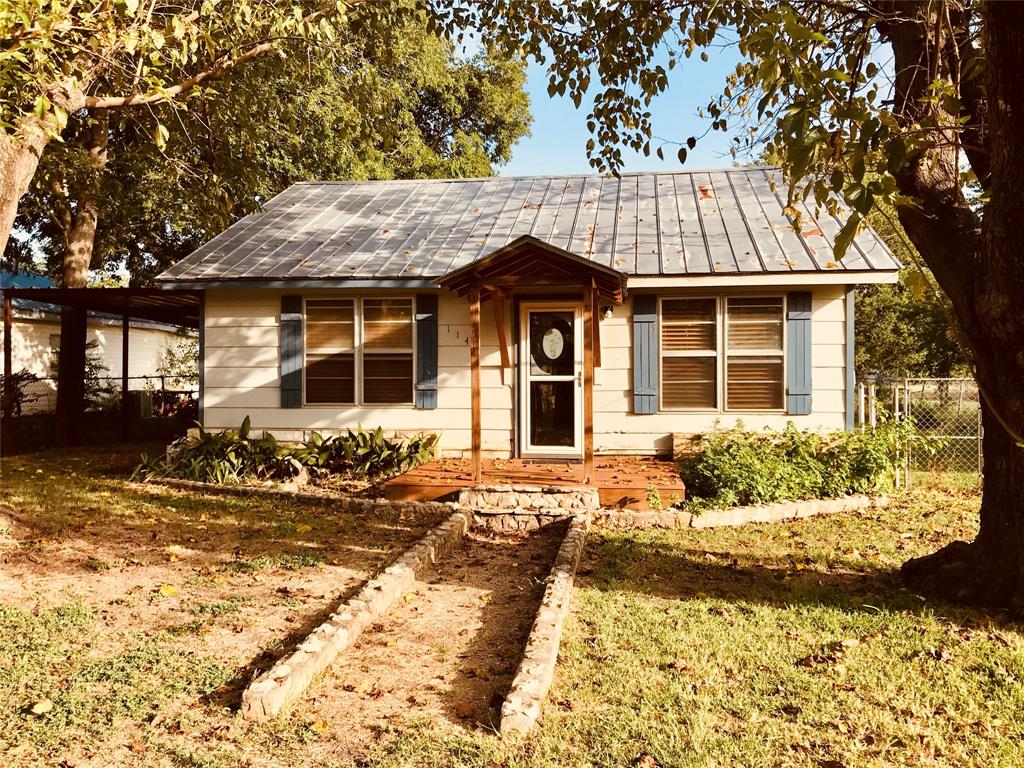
[
  {"x": 270, "y": 693},
  {"x": 713, "y": 518},
  {"x": 522, "y": 707},
  {"x": 348, "y": 503}
]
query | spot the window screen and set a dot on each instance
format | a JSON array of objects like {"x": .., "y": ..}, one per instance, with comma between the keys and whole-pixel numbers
[
  {"x": 689, "y": 353},
  {"x": 754, "y": 370},
  {"x": 387, "y": 350},
  {"x": 330, "y": 351}
]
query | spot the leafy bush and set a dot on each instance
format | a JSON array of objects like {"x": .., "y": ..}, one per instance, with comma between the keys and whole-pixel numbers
[
  {"x": 735, "y": 467},
  {"x": 364, "y": 453},
  {"x": 233, "y": 457},
  {"x": 223, "y": 457}
]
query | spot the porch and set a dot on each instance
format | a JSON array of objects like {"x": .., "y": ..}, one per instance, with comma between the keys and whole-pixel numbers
[{"x": 621, "y": 481}]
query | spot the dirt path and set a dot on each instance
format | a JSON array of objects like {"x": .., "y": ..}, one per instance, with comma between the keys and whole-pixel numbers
[{"x": 446, "y": 654}]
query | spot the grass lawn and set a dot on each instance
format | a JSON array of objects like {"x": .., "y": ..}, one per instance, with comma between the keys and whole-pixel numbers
[{"x": 131, "y": 616}]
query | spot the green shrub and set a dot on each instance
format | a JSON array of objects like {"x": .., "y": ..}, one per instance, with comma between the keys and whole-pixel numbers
[
  {"x": 233, "y": 456},
  {"x": 222, "y": 457},
  {"x": 364, "y": 453},
  {"x": 736, "y": 467}
]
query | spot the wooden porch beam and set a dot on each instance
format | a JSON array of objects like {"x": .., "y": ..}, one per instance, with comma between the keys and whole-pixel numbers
[
  {"x": 498, "y": 305},
  {"x": 474, "y": 364},
  {"x": 595, "y": 302},
  {"x": 588, "y": 386}
]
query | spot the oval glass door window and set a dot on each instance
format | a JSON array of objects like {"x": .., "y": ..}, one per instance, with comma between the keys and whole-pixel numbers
[{"x": 551, "y": 344}]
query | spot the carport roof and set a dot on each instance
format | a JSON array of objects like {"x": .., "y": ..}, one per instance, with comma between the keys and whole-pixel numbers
[{"x": 175, "y": 307}]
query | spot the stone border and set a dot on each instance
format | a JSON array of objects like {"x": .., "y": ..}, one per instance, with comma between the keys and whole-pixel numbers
[
  {"x": 714, "y": 518},
  {"x": 349, "y": 503},
  {"x": 517, "y": 519},
  {"x": 522, "y": 707},
  {"x": 273, "y": 691}
]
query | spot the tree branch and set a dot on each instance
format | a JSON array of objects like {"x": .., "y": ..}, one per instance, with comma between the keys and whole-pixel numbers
[{"x": 218, "y": 70}]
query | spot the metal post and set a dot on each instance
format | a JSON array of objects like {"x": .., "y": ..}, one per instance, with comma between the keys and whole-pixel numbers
[
  {"x": 860, "y": 404},
  {"x": 125, "y": 333},
  {"x": 8, "y": 393}
]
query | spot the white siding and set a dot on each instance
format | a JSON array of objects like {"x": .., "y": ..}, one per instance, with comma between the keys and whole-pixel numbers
[{"x": 241, "y": 360}]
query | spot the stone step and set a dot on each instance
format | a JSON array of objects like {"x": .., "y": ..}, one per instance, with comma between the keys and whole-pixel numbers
[{"x": 530, "y": 498}]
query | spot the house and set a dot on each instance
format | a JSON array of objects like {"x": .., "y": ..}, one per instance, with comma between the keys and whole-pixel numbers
[
  {"x": 540, "y": 317},
  {"x": 35, "y": 342}
]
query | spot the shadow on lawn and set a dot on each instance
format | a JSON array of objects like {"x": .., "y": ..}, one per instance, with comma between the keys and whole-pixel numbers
[{"x": 689, "y": 573}]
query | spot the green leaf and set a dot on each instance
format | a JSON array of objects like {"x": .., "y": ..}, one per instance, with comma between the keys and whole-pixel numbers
[
  {"x": 160, "y": 136},
  {"x": 845, "y": 237}
]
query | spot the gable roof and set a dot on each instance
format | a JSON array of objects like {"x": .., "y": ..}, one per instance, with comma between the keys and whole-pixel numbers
[
  {"x": 527, "y": 261},
  {"x": 685, "y": 223}
]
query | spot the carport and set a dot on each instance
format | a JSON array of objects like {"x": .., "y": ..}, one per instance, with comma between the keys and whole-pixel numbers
[{"x": 175, "y": 307}]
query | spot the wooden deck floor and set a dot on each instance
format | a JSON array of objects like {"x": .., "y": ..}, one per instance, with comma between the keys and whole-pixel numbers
[{"x": 621, "y": 480}]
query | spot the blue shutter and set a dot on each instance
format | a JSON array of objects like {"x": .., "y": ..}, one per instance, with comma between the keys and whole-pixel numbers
[
  {"x": 645, "y": 354},
  {"x": 291, "y": 351},
  {"x": 426, "y": 350},
  {"x": 798, "y": 361}
]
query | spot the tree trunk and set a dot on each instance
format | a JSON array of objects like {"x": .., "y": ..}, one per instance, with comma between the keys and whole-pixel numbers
[
  {"x": 80, "y": 233},
  {"x": 19, "y": 158},
  {"x": 985, "y": 282}
]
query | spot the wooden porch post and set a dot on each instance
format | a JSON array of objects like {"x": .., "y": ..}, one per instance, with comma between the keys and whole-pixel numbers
[
  {"x": 588, "y": 386},
  {"x": 8, "y": 393},
  {"x": 474, "y": 363},
  {"x": 125, "y": 328}
]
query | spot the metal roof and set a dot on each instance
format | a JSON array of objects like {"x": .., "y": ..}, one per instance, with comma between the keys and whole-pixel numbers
[
  {"x": 178, "y": 307},
  {"x": 685, "y": 223}
]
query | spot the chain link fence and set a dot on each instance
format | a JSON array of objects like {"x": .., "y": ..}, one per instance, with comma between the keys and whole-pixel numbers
[{"x": 946, "y": 409}]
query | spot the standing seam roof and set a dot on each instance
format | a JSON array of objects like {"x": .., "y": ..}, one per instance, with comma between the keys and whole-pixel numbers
[{"x": 691, "y": 222}]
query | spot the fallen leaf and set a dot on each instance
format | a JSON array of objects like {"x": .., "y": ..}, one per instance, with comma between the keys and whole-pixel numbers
[
  {"x": 42, "y": 706},
  {"x": 167, "y": 590},
  {"x": 318, "y": 726},
  {"x": 303, "y": 528},
  {"x": 645, "y": 761},
  {"x": 464, "y": 710}
]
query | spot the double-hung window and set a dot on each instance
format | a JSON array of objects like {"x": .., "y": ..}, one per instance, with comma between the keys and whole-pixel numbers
[
  {"x": 722, "y": 353},
  {"x": 689, "y": 354},
  {"x": 754, "y": 369},
  {"x": 359, "y": 350}
]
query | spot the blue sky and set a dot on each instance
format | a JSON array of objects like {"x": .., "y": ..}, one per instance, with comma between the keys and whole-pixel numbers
[{"x": 559, "y": 138}]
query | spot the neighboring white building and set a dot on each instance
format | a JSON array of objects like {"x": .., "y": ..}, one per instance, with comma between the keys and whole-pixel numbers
[
  {"x": 35, "y": 342},
  {"x": 616, "y": 311}
]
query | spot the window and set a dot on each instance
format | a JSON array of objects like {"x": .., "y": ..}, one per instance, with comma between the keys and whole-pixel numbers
[
  {"x": 359, "y": 350},
  {"x": 330, "y": 351},
  {"x": 387, "y": 351},
  {"x": 738, "y": 341},
  {"x": 689, "y": 353},
  {"x": 754, "y": 372}
]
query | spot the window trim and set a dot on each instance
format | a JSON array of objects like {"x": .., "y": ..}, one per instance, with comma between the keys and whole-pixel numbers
[
  {"x": 358, "y": 351},
  {"x": 721, "y": 354}
]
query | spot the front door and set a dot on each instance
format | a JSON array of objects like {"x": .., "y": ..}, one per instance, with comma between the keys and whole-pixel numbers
[{"x": 551, "y": 379}]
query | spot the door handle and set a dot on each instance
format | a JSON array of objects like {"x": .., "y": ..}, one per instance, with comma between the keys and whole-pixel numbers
[{"x": 579, "y": 378}]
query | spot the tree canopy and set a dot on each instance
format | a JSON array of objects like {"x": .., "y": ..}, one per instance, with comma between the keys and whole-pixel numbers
[{"x": 399, "y": 102}]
